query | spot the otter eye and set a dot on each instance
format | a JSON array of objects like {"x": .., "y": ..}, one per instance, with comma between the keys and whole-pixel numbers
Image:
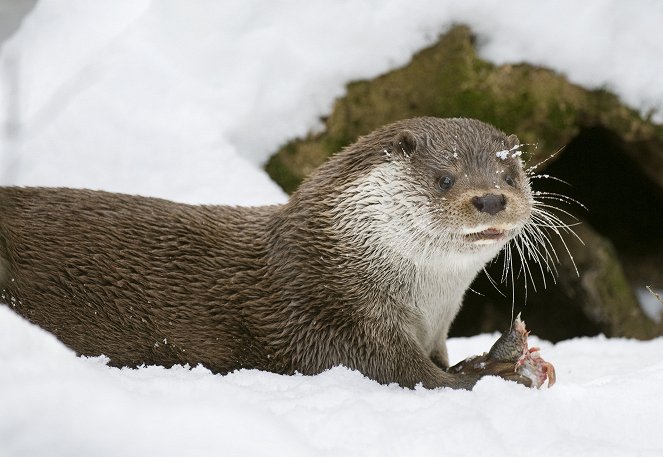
[
  {"x": 510, "y": 181},
  {"x": 446, "y": 182}
]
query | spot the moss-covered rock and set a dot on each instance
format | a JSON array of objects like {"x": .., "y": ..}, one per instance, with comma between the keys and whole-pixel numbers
[
  {"x": 450, "y": 80},
  {"x": 599, "y": 137},
  {"x": 602, "y": 290}
]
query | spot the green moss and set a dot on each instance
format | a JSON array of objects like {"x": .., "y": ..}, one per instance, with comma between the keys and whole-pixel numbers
[
  {"x": 622, "y": 313},
  {"x": 281, "y": 172},
  {"x": 448, "y": 79}
]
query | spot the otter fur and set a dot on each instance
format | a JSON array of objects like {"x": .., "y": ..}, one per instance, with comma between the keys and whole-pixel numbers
[{"x": 365, "y": 266}]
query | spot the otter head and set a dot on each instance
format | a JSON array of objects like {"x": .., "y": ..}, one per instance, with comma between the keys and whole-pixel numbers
[
  {"x": 442, "y": 186},
  {"x": 472, "y": 177}
]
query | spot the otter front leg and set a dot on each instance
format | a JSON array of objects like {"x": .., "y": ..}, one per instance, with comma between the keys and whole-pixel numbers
[
  {"x": 407, "y": 365},
  {"x": 440, "y": 355}
]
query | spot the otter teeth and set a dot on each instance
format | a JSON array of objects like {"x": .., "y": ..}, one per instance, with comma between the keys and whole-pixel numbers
[{"x": 486, "y": 236}]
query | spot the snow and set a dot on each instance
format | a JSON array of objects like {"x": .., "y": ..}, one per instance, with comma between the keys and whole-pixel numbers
[
  {"x": 183, "y": 99},
  {"x": 513, "y": 152},
  {"x": 607, "y": 402},
  {"x": 649, "y": 303},
  {"x": 186, "y": 100}
]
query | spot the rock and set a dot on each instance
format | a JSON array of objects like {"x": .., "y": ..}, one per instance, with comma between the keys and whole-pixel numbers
[
  {"x": 450, "y": 80},
  {"x": 602, "y": 290},
  {"x": 611, "y": 155}
]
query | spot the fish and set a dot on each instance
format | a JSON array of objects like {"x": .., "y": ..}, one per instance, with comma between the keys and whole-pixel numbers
[{"x": 511, "y": 358}]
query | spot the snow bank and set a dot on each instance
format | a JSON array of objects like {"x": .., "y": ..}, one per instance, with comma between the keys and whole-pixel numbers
[
  {"x": 607, "y": 402},
  {"x": 183, "y": 99},
  {"x": 596, "y": 43}
]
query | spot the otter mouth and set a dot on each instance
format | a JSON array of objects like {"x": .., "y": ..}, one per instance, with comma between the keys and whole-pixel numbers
[{"x": 488, "y": 235}]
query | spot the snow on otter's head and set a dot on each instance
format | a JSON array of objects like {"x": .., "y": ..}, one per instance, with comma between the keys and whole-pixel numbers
[{"x": 440, "y": 187}]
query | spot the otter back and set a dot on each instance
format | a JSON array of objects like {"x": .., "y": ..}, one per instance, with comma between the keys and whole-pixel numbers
[{"x": 141, "y": 280}]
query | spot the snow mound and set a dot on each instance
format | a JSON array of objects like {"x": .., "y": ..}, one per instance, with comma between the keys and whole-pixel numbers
[
  {"x": 185, "y": 100},
  {"x": 607, "y": 402}
]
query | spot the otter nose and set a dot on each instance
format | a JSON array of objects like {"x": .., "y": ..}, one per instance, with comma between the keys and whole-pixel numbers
[{"x": 490, "y": 203}]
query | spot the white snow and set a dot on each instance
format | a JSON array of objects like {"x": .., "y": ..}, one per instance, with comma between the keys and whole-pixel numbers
[
  {"x": 183, "y": 99},
  {"x": 607, "y": 402},
  {"x": 186, "y": 100},
  {"x": 650, "y": 304}
]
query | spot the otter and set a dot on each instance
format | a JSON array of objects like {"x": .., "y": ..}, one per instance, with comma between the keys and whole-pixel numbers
[{"x": 365, "y": 266}]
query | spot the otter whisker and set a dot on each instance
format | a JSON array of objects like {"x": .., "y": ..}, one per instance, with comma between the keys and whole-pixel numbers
[
  {"x": 531, "y": 251},
  {"x": 543, "y": 206},
  {"x": 507, "y": 261},
  {"x": 555, "y": 222},
  {"x": 529, "y": 171},
  {"x": 539, "y": 257},
  {"x": 544, "y": 241},
  {"x": 513, "y": 283},
  {"x": 548, "y": 257},
  {"x": 547, "y": 222},
  {"x": 556, "y": 227},
  {"x": 525, "y": 266},
  {"x": 476, "y": 292},
  {"x": 557, "y": 197},
  {"x": 552, "y": 178},
  {"x": 492, "y": 281},
  {"x": 533, "y": 244},
  {"x": 559, "y": 226}
]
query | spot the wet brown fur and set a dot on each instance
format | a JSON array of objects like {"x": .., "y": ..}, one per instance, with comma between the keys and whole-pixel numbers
[{"x": 281, "y": 288}]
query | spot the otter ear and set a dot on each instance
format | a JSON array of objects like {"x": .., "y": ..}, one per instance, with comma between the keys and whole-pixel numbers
[
  {"x": 405, "y": 142},
  {"x": 512, "y": 141}
]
